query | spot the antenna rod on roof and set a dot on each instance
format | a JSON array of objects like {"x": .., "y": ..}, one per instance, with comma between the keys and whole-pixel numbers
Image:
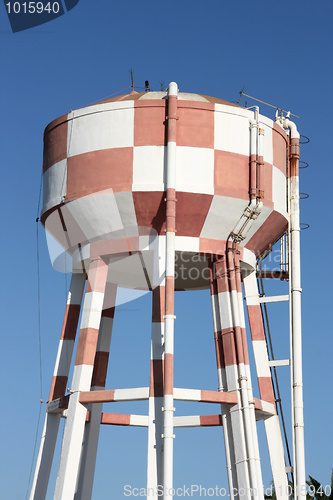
[
  {"x": 240, "y": 95},
  {"x": 131, "y": 72}
]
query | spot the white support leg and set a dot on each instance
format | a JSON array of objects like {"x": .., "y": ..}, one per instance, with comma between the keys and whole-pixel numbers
[
  {"x": 58, "y": 388},
  {"x": 272, "y": 424},
  {"x": 251, "y": 426},
  {"x": 45, "y": 456}
]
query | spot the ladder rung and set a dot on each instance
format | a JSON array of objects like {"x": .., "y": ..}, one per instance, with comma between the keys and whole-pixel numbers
[
  {"x": 274, "y": 298},
  {"x": 279, "y": 362}
]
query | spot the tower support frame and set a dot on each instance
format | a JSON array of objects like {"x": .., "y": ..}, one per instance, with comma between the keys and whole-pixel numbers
[{"x": 229, "y": 274}]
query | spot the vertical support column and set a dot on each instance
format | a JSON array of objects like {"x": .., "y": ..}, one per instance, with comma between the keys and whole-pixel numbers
[
  {"x": 243, "y": 381},
  {"x": 236, "y": 438},
  {"x": 222, "y": 383},
  {"x": 260, "y": 351},
  {"x": 85, "y": 356},
  {"x": 91, "y": 432},
  {"x": 296, "y": 327},
  {"x": 155, "y": 422},
  {"x": 169, "y": 317},
  {"x": 58, "y": 387}
]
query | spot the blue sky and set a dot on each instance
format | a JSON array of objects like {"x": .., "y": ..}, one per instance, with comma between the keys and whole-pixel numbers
[{"x": 281, "y": 51}]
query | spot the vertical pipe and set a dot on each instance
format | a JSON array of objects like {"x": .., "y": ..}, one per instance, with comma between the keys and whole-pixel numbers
[
  {"x": 296, "y": 329},
  {"x": 58, "y": 387},
  {"x": 91, "y": 432},
  {"x": 83, "y": 369},
  {"x": 282, "y": 253},
  {"x": 254, "y": 125},
  {"x": 236, "y": 437},
  {"x": 169, "y": 290},
  {"x": 254, "y": 208},
  {"x": 243, "y": 380},
  {"x": 260, "y": 191},
  {"x": 222, "y": 382},
  {"x": 252, "y": 417}
]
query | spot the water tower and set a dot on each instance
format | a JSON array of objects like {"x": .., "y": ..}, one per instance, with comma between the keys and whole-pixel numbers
[{"x": 134, "y": 186}]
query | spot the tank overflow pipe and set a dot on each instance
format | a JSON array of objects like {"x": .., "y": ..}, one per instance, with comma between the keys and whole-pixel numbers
[
  {"x": 169, "y": 317},
  {"x": 260, "y": 166},
  {"x": 295, "y": 313},
  {"x": 254, "y": 208},
  {"x": 254, "y": 126}
]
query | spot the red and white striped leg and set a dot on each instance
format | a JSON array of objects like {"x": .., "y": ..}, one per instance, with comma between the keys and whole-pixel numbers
[
  {"x": 250, "y": 430},
  {"x": 82, "y": 376},
  {"x": 222, "y": 381},
  {"x": 155, "y": 418},
  {"x": 91, "y": 432},
  {"x": 233, "y": 357},
  {"x": 58, "y": 387},
  {"x": 272, "y": 424}
]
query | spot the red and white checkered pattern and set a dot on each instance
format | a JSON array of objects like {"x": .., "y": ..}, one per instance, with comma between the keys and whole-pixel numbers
[{"x": 121, "y": 144}]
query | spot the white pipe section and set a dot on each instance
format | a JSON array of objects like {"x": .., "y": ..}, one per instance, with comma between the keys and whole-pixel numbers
[
  {"x": 257, "y": 492},
  {"x": 254, "y": 208},
  {"x": 295, "y": 304},
  {"x": 294, "y": 134}
]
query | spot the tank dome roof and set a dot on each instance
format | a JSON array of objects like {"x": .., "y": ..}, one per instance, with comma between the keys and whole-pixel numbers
[{"x": 182, "y": 96}]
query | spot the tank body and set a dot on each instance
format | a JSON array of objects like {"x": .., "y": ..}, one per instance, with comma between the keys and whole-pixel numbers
[{"x": 117, "y": 149}]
